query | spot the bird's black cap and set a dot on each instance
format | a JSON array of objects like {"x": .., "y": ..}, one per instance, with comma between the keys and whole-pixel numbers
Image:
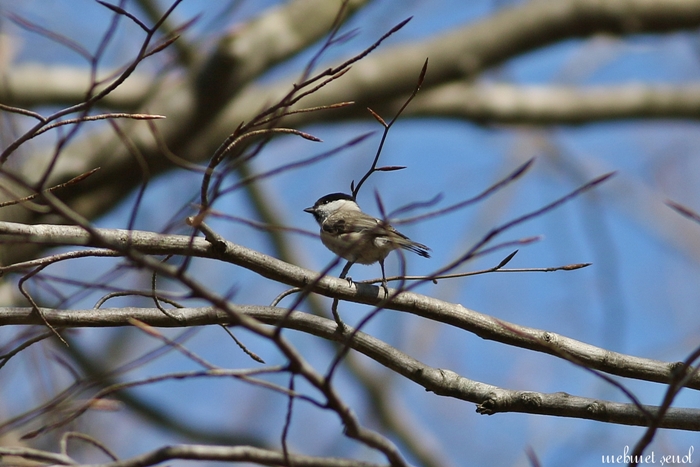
[
  {"x": 333, "y": 197},
  {"x": 329, "y": 199}
]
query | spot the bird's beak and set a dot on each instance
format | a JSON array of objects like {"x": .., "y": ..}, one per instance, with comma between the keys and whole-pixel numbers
[{"x": 309, "y": 210}]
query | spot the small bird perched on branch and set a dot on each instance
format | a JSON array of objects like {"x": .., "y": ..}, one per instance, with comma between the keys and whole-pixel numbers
[{"x": 358, "y": 237}]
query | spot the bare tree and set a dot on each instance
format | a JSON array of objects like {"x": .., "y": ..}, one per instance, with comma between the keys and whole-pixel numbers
[{"x": 149, "y": 220}]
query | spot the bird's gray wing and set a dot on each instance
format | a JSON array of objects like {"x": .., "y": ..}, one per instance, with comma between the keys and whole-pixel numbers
[
  {"x": 373, "y": 227},
  {"x": 358, "y": 222}
]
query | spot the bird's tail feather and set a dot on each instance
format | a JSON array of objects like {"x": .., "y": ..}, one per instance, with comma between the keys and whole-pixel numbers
[{"x": 417, "y": 248}]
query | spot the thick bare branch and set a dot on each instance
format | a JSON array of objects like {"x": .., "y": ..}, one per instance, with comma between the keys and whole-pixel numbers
[
  {"x": 490, "y": 399},
  {"x": 456, "y": 315},
  {"x": 383, "y": 80},
  {"x": 30, "y": 85},
  {"x": 198, "y": 452},
  {"x": 277, "y": 34},
  {"x": 502, "y": 103}
]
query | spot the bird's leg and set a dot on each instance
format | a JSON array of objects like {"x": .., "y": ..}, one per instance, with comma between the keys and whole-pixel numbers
[
  {"x": 334, "y": 307},
  {"x": 384, "y": 284},
  {"x": 345, "y": 271},
  {"x": 336, "y": 316}
]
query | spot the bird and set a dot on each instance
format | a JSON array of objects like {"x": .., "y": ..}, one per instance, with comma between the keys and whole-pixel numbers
[{"x": 356, "y": 236}]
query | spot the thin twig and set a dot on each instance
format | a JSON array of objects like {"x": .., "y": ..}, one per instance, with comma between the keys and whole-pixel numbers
[
  {"x": 72, "y": 181},
  {"x": 684, "y": 211},
  {"x": 4, "y": 358},
  {"x": 683, "y": 374},
  {"x": 89, "y": 439},
  {"x": 151, "y": 331},
  {"x": 242, "y": 346},
  {"x": 355, "y": 189},
  {"x": 21, "y": 111}
]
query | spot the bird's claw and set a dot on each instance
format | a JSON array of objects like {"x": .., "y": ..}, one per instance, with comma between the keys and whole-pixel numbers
[{"x": 385, "y": 287}]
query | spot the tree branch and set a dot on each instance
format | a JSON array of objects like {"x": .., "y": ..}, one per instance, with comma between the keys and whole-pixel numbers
[
  {"x": 456, "y": 315},
  {"x": 198, "y": 452},
  {"x": 545, "y": 105},
  {"x": 490, "y": 399}
]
